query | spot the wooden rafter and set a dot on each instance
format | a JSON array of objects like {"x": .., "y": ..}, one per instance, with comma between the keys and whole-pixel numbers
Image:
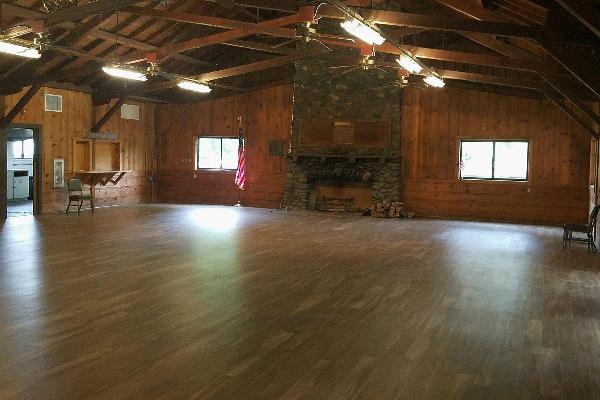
[
  {"x": 568, "y": 94},
  {"x": 213, "y": 39},
  {"x": 136, "y": 44},
  {"x": 382, "y": 17},
  {"x": 556, "y": 99},
  {"x": 17, "y": 108},
  {"x": 85, "y": 10},
  {"x": 206, "y": 20},
  {"x": 107, "y": 116},
  {"x": 490, "y": 79},
  {"x": 584, "y": 12},
  {"x": 437, "y": 22}
]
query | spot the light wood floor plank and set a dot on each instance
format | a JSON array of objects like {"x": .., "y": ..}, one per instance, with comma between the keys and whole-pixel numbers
[{"x": 207, "y": 302}]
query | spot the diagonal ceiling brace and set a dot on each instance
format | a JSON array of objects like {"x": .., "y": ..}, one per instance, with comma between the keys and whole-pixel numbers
[
  {"x": 8, "y": 118},
  {"x": 106, "y": 117}
]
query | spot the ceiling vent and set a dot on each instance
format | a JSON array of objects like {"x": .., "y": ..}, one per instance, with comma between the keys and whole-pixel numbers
[
  {"x": 53, "y": 103},
  {"x": 130, "y": 111}
]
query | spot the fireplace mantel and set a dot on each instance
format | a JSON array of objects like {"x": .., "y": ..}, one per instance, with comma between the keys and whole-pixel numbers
[{"x": 349, "y": 157}]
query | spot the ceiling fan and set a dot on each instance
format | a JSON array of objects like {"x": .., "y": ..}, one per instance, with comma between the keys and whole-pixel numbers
[
  {"x": 306, "y": 31},
  {"x": 403, "y": 80},
  {"x": 366, "y": 62}
]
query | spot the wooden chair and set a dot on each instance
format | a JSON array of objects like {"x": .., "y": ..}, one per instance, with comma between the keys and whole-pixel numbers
[
  {"x": 588, "y": 229},
  {"x": 76, "y": 195}
]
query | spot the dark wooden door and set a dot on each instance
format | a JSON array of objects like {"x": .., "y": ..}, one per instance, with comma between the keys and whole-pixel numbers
[{"x": 3, "y": 193}]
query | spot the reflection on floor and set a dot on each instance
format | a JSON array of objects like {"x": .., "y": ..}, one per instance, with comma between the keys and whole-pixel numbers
[
  {"x": 209, "y": 303},
  {"x": 18, "y": 208}
]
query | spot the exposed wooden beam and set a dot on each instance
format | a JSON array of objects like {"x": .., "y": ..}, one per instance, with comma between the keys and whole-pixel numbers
[
  {"x": 211, "y": 21},
  {"x": 17, "y": 108},
  {"x": 136, "y": 44},
  {"x": 475, "y": 10},
  {"x": 566, "y": 57},
  {"x": 478, "y": 59},
  {"x": 585, "y": 13},
  {"x": 436, "y": 22},
  {"x": 259, "y": 47},
  {"x": 255, "y": 66},
  {"x": 15, "y": 10},
  {"x": 548, "y": 44},
  {"x": 489, "y": 79},
  {"x": 85, "y": 29},
  {"x": 559, "y": 102},
  {"x": 289, "y": 6},
  {"x": 34, "y": 79},
  {"x": 499, "y": 46},
  {"x": 213, "y": 39},
  {"x": 567, "y": 93},
  {"x": 107, "y": 116},
  {"x": 85, "y": 10}
]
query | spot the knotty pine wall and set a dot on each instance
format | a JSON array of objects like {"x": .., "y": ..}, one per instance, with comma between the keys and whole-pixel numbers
[
  {"x": 266, "y": 114},
  {"x": 138, "y": 155},
  {"x": 434, "y": 121},
  {"x": 76, "y": 120}
]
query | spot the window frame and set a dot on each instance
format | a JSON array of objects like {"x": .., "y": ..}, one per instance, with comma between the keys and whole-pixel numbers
[
  {"x": 493, "y": 178},
  {"x": 22, "y": 157},
  {"x": 197, "y": 158}
]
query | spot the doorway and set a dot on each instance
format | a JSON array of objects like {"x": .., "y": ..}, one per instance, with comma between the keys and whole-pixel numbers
[{"x": 21, "y": 171}]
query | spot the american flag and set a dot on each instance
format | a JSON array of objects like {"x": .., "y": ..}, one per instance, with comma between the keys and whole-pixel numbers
[{"x": 240, "y": 176}]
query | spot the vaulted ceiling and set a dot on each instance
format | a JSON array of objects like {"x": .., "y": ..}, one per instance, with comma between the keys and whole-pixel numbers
[{"x": 550, "y": 47}]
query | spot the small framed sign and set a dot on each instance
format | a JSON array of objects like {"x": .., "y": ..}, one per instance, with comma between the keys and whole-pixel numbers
[{"x": 58, "y": 180}]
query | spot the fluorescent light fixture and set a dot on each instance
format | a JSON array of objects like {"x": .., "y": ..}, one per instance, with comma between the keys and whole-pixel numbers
[
  {"x": 409, "y": 64},
  {"x": 193, "y": 86},
  {"x": 434, "y": 81},
  {"x": 17, "y": 50},
  {"x": 125, "y": 73},
  {"x": 363, "y": 31}
]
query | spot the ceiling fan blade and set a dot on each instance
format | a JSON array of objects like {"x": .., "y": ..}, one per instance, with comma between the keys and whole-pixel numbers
[
  {"x": 76, "y": 53},
  {"x": 285, "y": 43},
  {"x": 350, "y": 70},
  {"x": 322, "y": 44}
]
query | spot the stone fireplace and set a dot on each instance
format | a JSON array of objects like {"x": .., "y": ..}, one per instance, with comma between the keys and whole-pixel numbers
[{"x": 345, "y": 147}]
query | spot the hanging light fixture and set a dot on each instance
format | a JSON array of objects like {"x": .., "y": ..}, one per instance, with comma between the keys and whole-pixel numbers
[
  {"x": 125, "y": 73},
  {"x": 434, "y": 81},
  {"x": 362, "y": 31},
  {"x": 409, "y": 64},
  {"x": 193, "y": 86},
  {"x": 17, "y": 50}
]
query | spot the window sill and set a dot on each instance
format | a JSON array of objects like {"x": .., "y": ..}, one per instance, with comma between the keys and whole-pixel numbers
[
  {"x": 520, "y": 182},
  {"x": 216, "y": 170}
]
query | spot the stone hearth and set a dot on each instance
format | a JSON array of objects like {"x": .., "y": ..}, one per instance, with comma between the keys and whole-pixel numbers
[{"x": 345, "y": 137}]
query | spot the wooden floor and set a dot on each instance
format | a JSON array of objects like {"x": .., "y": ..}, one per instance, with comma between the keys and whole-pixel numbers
[{"x": 191, "y": 302}]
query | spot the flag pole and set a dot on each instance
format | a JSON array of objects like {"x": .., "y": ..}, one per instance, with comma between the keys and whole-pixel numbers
[{"x": 239, "y": 191}]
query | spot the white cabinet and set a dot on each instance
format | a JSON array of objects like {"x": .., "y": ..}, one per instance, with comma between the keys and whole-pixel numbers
[
  {"x": 21, "y": 187},
  {"x": 9, "y": 184},
  {"x": 17, "y": 184}
]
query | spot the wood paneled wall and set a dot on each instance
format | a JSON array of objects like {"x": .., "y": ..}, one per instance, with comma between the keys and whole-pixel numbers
[
  {"x": 266, "y": 115},
  {"x": 138, "y": 154},
  {"x": 435, "y": 121},
  {"x": 76, "y": 120}
]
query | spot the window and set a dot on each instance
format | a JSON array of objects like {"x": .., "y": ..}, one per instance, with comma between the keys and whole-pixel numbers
[
  {"x": 494, "y": 160},
  {"x": 217, "y": 153},
  {"x": 23, "y": 148}
]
